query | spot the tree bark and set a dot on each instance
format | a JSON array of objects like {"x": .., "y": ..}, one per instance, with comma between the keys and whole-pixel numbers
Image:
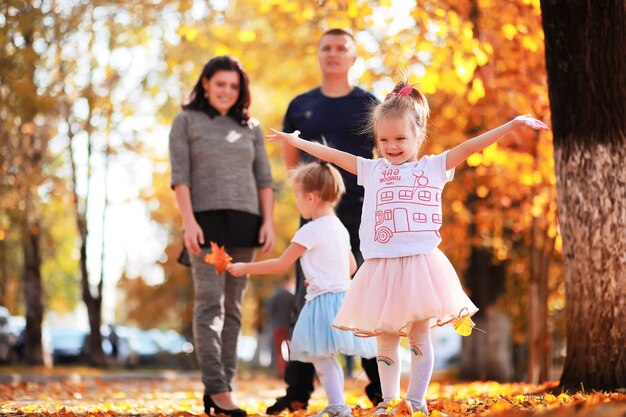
[
  {"x": 32, "y": 286},
  {"x": 586, "y": 66}
]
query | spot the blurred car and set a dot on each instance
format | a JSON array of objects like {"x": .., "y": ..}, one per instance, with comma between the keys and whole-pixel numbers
[
  {"x": 171, "y": 341},
  {"x": 18, "y": 327},
  {"x": 246, "y": 348},
  {"x": 67, "y": 344},
  {"x": 141, "y": 343},
  {"x": 121, "y": 352},
  {"x": 175, "y": 350},
  {"x": 8, "y": 339},
  {"x": 17, "y": 324},
  {"x": 117, "y": 350}
]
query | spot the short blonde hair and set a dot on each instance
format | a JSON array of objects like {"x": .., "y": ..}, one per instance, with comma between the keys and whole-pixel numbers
[{"x": 320, "y": 178}]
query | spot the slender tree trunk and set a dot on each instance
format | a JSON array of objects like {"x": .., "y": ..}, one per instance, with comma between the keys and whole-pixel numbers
[
  {"x": 586, "y": 63},
  {"x": 32, "y": 286},
  {"x": 538, "y": 335},
  {"x": 92, "y": 302}
]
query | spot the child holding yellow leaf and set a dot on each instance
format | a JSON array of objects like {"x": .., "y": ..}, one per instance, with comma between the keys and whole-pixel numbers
[
  {"x": 406, "y": 284},
  {"x": 323, "y": 246}
]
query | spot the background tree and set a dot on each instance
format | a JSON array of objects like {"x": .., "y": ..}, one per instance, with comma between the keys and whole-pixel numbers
[
  {"x": 31, "y": 188},
  {"x": 480, "y": 63},
  {"x": 97, "y": 44},
  {"x": 586, "y": 63}
]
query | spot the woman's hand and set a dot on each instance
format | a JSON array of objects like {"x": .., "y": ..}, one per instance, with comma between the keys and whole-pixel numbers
[
  {"x": 237, "y": 269},
  {"x": 529, "y": 121},
  {"x": 277, "y": 135},
  {"x": 193, "y": 238},
  {"x": 267, "y": 237}
]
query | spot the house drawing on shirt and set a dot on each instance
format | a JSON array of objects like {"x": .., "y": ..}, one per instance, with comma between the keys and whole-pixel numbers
[{"x": 407, "y": 209}]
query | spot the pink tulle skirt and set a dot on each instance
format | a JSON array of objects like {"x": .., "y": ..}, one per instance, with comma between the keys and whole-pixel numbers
[{"x": 388, "y": 294}]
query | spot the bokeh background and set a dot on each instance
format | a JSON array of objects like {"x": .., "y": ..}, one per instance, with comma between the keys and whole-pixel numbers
[{"x": 89, "y": 89}]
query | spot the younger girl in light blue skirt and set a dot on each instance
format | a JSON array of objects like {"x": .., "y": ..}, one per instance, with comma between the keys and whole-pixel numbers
[{"x": 323, "y": 246}]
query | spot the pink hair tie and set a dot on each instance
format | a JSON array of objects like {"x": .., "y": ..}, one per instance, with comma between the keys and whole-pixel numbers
[{"x": 404, "y": 91}]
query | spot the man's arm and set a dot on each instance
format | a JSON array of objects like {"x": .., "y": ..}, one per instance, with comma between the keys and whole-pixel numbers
[{"x": 291, "y": 155}]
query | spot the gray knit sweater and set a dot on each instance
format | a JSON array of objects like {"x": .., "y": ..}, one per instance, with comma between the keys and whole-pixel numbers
[{"x": 223, "y": 163}]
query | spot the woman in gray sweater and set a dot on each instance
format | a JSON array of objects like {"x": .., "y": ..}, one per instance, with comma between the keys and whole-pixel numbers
[{"x": 224, "y": 189}]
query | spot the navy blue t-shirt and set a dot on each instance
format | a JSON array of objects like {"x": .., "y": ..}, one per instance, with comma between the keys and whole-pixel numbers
[{"x": 341, "y": 121}]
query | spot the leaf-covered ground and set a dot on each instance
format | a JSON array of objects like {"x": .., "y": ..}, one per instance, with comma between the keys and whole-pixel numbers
[{"x": 92, "y": 393}]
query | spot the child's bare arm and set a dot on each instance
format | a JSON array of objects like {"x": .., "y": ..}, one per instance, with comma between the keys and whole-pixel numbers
[
  {"x": 268, "y": 266},
  {"x": 461, "y": 152},
  {"x": 342, "y": 159}
]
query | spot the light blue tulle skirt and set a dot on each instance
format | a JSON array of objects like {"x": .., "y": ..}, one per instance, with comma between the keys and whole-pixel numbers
[{"x": 314, "y": 337}]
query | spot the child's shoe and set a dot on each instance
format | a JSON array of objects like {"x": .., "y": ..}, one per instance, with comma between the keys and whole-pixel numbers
[
  {"x": 381, "y": 409},
  {"x": 423, "y": 408},
  {"x": 336, "y": 411},
  {"x": 402, "y": 407}
]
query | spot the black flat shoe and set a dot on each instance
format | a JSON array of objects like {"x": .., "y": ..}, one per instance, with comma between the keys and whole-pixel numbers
[{"x": 210, "y": 404}]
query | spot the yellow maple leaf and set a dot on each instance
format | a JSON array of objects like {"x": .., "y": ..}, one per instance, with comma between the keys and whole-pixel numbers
[
  {"x": 463, "y": 325},
  {"x": 218, "y": 258}
]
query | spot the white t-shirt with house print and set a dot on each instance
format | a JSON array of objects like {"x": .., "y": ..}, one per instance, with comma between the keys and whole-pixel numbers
[{"x": 402, "y": 205}]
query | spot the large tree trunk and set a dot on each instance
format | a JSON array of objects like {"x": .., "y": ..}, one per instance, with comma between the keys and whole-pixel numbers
[
  {"x": 32, "y": 286},
  {"x": 586, "y": 63},
  {"x": 33, "y": 149}
]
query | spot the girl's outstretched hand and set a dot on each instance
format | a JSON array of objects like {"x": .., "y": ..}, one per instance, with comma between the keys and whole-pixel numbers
[
  {"x": 278, "y": 135},
  {"x": 237, "y": 269},
  {"x": 529, "y": 121}
]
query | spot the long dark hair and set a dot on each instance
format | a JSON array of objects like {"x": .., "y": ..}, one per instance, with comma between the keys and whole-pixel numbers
[{"x": 197, "y": 101}]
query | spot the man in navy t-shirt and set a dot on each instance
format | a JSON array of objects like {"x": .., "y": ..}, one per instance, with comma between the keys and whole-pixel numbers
[
  {"x": 340, "y": 122},
  {"x": 335, "y": 112}
]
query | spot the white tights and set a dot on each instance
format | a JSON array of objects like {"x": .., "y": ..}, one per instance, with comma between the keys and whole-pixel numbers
[
  {"x": 422, "y": 361},
  {"x": 331, "y": 376}
]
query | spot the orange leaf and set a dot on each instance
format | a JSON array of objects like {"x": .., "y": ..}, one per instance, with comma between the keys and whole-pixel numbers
[
  {"x": 403, "y": 409},
  {"x": 218, "y": 258},
  {"x": 463, "y": 325}
]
